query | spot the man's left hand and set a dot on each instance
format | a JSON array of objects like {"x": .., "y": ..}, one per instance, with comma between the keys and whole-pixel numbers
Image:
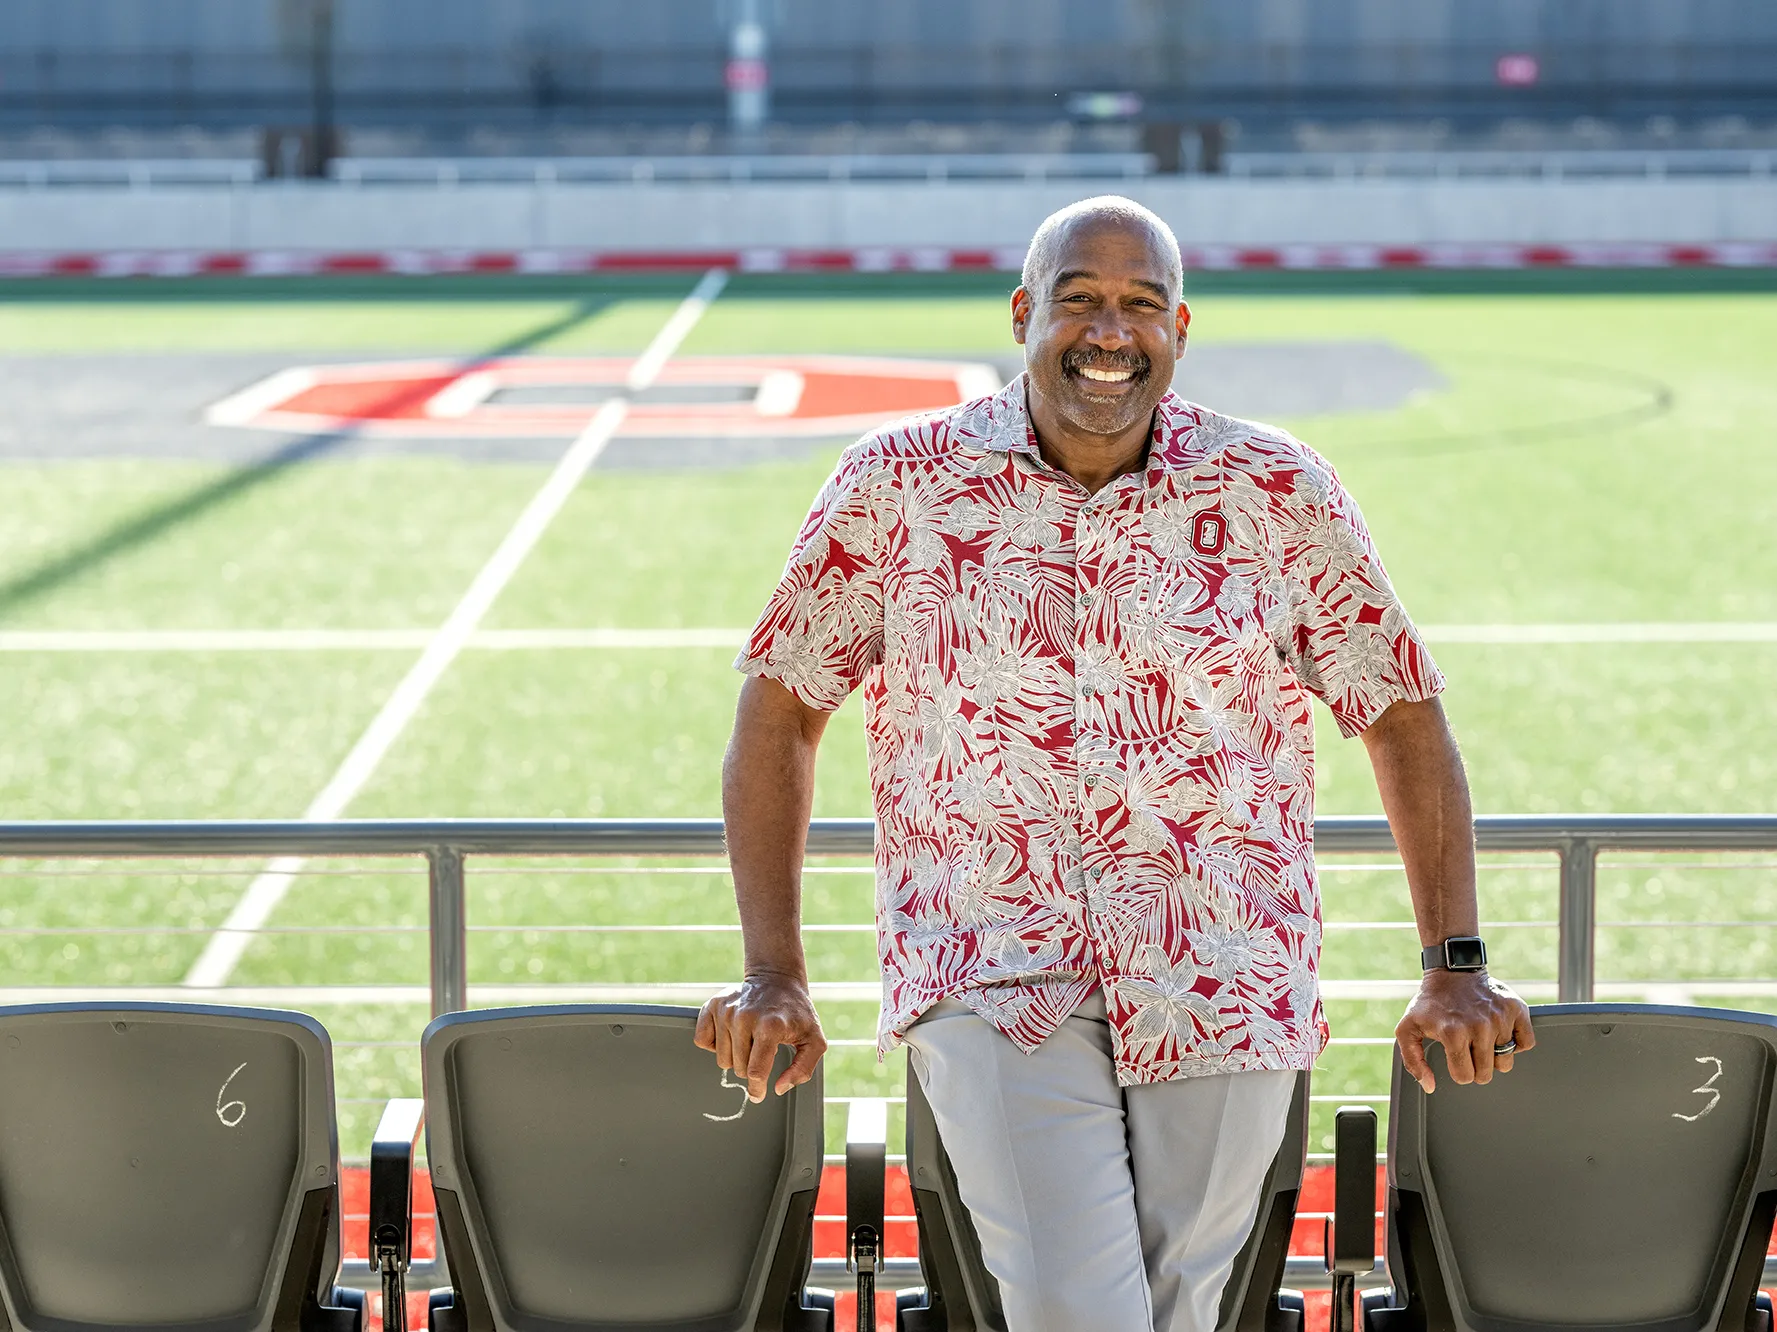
[{"x": 1468, "y": 1013}]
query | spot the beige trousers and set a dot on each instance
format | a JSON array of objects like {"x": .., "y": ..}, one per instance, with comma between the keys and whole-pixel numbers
[{"x": 1116, "y": 1209}]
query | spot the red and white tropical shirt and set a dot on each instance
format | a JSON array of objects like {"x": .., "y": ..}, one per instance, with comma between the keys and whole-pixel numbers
[{"x": 1091, "y": 742}]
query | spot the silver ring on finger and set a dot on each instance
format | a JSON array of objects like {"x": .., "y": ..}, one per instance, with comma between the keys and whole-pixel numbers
[{"x": 1507, "y": 1048}]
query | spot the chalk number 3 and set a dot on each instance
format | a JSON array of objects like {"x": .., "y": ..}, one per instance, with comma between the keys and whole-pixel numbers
[{"x": 1707, "y": 1089}]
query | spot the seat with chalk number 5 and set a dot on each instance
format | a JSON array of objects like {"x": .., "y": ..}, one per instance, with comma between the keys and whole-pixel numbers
[
  {"x": 594, "y": 1169},
  {"x": 173, "y": 1166},
  {"x": 1622, "y": 1175}
]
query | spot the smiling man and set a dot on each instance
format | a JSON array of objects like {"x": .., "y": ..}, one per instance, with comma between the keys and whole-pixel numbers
[{"x": 1088, "y": 617}]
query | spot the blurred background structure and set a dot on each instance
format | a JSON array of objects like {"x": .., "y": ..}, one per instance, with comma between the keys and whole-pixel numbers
[
  {"x": 453, "y": 77},
  {"x": 511, "y": 134}
]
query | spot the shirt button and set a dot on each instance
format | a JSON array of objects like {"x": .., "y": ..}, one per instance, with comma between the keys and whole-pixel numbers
[
  {"x": 1091, "y": 782},
  {"x": 1087, "y": 691},
  {"x": 1095, "y": 874}
]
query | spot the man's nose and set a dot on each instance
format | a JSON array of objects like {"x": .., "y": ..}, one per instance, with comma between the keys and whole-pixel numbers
[{"x": 1110, "y": 331}]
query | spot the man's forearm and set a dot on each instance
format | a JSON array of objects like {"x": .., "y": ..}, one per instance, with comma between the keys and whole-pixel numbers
[
  {"x": 767, "y": 794},
  {"x": 1425, "y": 794}
]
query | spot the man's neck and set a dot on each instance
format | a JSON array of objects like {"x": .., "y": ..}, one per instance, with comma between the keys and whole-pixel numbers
[{"x": 1092, "y": 460}]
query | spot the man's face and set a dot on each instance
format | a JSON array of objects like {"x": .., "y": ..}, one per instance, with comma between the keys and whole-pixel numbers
[{"x": 1102, "y": 338}]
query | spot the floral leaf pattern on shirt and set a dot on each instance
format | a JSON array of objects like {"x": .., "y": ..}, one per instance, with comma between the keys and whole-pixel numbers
[{"x": 1090, "y": 737}]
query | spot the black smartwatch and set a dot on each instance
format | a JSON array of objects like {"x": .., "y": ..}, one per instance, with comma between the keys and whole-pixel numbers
[{"x": 1463, "y": 952}]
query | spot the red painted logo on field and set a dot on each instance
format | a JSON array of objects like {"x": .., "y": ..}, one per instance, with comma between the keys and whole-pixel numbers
[
  {"x": 556, "y": 397},
  {"x": 1209, "y": 534}
]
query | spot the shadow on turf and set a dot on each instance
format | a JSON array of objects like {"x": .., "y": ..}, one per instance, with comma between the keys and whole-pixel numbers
[{"x": 146, "y": 527}]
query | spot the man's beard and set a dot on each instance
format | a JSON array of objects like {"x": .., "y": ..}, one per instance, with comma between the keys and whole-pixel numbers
[{"x": 1077, "y": 359}]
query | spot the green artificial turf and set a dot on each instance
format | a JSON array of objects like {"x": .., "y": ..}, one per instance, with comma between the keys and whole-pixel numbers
[{"x": 129, "y": 544}]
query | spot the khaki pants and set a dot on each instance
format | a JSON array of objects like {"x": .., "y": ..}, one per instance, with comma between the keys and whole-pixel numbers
[{"x": 1115, "y": 1209}]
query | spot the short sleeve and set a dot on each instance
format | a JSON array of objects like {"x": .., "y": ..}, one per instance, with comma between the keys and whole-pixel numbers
[
  {"x": 822, "y": 629},
  {"x": 1350, "y": 639}
]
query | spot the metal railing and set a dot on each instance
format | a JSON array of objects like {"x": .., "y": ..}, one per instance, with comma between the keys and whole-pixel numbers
[
  {"x": 544, "y": 172},
  {"x": 448, "y": 845},
  {"x": 905, "y": 168},
  {"x": 1576, "y": 841},
  {"x": 1521, "y": 164}
]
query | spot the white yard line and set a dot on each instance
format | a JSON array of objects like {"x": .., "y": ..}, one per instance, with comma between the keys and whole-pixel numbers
[
  {"x": 356, "y": 640},
  {"x": 215, "y": 640},
  {"x": 217, "y": 962},
  {"x": 372, "y": 640},
  {"x": 1701, "y": 631}
]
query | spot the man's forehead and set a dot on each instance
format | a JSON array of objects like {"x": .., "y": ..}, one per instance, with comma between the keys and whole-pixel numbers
[{"x": 1110, "y": 246}]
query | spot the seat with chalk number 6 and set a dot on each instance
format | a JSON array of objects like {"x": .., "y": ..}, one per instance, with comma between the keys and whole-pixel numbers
[
  {"x": 168, "y": 1165},
  {"x": 1623, "y": 1175},
  {"x": 593, "y": 1169},
  {"x": 961, "y": 1295}
]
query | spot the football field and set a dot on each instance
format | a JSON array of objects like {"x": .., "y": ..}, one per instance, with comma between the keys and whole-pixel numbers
[{"x": 1572, "y": 478}]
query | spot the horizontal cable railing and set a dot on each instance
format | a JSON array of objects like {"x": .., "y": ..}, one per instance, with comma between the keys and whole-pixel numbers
[
  {"x": 1576, "y": 840},
  {"x": 726, "y": 168},
  {"x": 913, "y": 167},
  {"x": 378, "y": 983},
  {"x": 1530, "y": 163}
]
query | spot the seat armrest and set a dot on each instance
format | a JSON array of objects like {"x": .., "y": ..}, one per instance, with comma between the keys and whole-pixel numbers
[
  {"x": 391, "y": 1179},
  {"x": 1351, "y": 1246},
  {"x": 866, "y": 1169},
  {"x": 391, "y": 1203},
  {"x": 1353, "y": 1249}
]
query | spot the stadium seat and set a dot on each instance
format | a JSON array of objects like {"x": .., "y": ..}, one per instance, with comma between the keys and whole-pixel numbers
[
  {"x": 168, "y": 1165},
  {"x": 593, "y": 1169},
  {"x": 1623, "y": 1175},
  {"x": 960, "y": 1295}
]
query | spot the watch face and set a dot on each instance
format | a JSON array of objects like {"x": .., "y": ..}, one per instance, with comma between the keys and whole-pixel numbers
[{"x": 1464, "y": 954}]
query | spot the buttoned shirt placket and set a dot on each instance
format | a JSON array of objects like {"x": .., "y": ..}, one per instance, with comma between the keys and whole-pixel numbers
[{"x": 1090, "y": 516}]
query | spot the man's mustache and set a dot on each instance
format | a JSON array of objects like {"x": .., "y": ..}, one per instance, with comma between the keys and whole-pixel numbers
[{"x": 1082, "y": 359}]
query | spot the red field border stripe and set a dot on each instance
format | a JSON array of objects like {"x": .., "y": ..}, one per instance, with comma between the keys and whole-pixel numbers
[{"x": 868, "y": 259}]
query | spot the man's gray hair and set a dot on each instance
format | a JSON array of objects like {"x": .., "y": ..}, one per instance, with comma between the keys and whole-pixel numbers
[{"x": 1039, "y": 258}]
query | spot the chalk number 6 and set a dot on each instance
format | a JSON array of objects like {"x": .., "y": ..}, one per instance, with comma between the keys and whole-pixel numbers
[{"x": 231, "y": 1113}]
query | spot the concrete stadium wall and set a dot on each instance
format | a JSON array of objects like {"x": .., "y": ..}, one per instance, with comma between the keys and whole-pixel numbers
[{"x": 675, "y": 217}]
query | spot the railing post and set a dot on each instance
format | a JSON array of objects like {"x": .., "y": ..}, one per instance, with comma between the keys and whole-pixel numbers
[
  {"x": 449, "y": 936},
  {"x": 1579, "y": 920}
]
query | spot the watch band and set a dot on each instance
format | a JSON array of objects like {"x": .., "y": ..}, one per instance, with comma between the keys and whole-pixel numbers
[{"x": 1461, "y": 952}]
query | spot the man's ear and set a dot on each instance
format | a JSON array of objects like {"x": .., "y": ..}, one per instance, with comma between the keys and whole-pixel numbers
[
  {"x": 1184, "y": 328},
  {"x": 1020, "y": 315}
]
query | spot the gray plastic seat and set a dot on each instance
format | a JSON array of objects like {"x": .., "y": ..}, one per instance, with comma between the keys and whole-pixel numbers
[
  {"x": 173, "y": 1165},
  {"x": 592, "y": 1171},
  {"x": 1623, "y": 1175},
  {"x": 961, "y": 1295}
]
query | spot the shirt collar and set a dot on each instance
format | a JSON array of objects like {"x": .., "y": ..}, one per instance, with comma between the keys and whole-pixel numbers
[{"x": 1001, "y": 424}]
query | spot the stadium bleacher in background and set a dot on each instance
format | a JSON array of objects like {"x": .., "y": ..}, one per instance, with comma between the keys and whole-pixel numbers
[{"x": 444, "y": 69}]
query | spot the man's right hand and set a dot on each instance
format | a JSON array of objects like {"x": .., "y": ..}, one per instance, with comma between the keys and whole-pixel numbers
[{"x": 745, "y": 1026}]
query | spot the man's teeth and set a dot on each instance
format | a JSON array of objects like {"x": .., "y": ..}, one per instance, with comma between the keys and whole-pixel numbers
[{"x": 1107, "y": 376}]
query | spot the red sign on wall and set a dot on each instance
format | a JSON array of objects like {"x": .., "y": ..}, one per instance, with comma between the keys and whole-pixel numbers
[
  {"x": 1517, "y": 70},
  {"x": 744, "y": 75}
]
